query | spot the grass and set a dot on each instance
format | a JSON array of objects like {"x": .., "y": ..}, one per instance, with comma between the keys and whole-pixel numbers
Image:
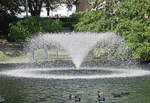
[
  {"x": 39, "y": 56},
  {"x": 42, "y": 56},
  {"x": 59, "y": 56},
  {"x": 5, "y": 57}
]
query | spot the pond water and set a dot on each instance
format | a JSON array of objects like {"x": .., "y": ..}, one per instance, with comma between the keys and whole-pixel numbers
[{"x": 55, "y": 90}]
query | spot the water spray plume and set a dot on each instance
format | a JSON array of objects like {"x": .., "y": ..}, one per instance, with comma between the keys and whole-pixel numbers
[{"x": 76, "y": 45}]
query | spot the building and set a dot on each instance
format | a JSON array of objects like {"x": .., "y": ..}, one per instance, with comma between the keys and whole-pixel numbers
[{"x": 82, "y": 5}]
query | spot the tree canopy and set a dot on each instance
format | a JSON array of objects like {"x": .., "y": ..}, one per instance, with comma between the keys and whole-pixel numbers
[
  {"x": 10, "y": 7},
  {"x": 36, "y": 5},
  {"x": 128, "y": 18}
]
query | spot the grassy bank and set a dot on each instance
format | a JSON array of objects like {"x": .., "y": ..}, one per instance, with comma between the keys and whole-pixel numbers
[{"x": 5, "y": 57}]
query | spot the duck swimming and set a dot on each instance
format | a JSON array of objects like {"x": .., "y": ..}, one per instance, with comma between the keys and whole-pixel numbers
[
  {"x": 100, "y": 96},
  {"x": 116, "y": 95},
  {"x": 1, "y": 99},
  {"x": 77, "y": 98},
  {"x": 121, "y": 94}
]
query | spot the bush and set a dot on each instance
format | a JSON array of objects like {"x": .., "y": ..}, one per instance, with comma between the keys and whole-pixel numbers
[{"x": 25, "y": 28}]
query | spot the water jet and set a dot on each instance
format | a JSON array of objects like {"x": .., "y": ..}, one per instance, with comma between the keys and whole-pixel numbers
[
  {"x": 77, "y": 67},
  {"x": 78, "y": 45}
]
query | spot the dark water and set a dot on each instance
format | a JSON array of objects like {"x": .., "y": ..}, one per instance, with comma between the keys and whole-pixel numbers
[{"x": 19, "y": 90}]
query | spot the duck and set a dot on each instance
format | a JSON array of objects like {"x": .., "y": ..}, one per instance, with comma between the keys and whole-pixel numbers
[
  {"x": 100, "y": 96},
  {"x": 121, "y": 94},
  {"x": 77, "y": 98},
  {"x": 101, "y": 99},
  {"x": 116, "y": 95},
  {"x": 1, "y": 99},
  {"x": 70, "y": 96},
  {"x": 125, "y": 93}
]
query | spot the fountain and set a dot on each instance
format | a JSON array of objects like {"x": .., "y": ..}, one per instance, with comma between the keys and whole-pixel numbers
[
  {"x": 78, "y": 45},
  {"x": 92, "y": 62}
]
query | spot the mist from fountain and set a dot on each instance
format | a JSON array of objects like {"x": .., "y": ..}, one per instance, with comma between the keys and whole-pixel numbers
[{"x": 78, "y": 45}]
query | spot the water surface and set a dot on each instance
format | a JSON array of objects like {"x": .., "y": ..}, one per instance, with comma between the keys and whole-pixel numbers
[{"x": 35, "y": 90}]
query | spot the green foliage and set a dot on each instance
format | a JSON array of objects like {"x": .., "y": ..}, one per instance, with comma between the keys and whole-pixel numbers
[
  {"x": 25, "y": 28},
  {"x": 95, "y": 21},
  {"x": 137, "y": 34},
  {"x": 134, "y": 25},
  {"x": 5, "y": 57},
  {"x": 129, "y": 18}
]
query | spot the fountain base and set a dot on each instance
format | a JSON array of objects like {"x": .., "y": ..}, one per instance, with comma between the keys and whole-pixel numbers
[
  {"x": 71, "y": 73},
  {"x": 77, "y": 67}
]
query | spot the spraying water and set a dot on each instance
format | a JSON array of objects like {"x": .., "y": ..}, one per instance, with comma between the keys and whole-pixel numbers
[{"x": 78, "y": 45}]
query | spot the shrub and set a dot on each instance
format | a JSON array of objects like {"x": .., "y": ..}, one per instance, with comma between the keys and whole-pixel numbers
[{"x": 25, "y": 28}]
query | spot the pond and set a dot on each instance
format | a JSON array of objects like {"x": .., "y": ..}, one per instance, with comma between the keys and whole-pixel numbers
[{"x": 23, "y": 89}]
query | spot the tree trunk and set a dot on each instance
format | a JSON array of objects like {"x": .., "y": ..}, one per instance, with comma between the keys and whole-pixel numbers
[
  {"x": 48, "y": 7},
  {"x": 35, "y": 7}
]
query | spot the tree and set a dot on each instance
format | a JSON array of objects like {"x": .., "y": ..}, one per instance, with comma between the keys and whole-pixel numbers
[
  {"x": 128, "y": 18},
  {"x": 50, "y": 5},
  {"x": 134, "y": 25},
  {"x": 35, "y": 7},
  {"x": 8, "y": 9}
]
